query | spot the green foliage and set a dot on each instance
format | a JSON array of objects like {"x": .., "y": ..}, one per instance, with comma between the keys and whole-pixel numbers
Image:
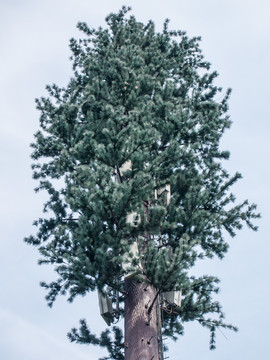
[
  {"x": 146, "y": 97},
  {"x": 114, "y": 347}
]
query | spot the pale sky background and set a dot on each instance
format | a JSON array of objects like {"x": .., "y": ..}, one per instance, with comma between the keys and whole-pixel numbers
[{"x": 34, "y": 38}]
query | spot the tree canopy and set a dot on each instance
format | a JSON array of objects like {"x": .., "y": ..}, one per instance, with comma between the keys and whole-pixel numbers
[{"x": 148, "y": 98}]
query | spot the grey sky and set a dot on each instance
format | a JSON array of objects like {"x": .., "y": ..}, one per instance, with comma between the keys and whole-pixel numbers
[{"x": 34, "y": 39}]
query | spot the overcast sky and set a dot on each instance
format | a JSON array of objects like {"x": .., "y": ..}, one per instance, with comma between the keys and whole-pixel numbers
[{"x": 34, "y": 39}]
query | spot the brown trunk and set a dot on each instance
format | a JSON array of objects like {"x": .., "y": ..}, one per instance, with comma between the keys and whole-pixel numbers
[{"x": 141, "y": 325}]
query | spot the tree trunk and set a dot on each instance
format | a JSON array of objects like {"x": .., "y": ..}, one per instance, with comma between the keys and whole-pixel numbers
[{"x": 141, "y": 322}]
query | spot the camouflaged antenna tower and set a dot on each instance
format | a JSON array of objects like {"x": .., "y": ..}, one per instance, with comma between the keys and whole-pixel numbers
[{"x": 129, "y": 155}]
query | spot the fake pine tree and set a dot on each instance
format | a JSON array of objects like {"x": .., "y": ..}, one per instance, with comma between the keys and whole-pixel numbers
[{"x": 129, "y": 155}]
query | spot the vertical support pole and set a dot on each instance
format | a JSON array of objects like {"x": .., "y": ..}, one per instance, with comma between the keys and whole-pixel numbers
[{"x": 141, "y": 327}]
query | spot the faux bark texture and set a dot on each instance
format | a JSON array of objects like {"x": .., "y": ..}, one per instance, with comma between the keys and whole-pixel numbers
[{"x": 141, "y": 326}]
